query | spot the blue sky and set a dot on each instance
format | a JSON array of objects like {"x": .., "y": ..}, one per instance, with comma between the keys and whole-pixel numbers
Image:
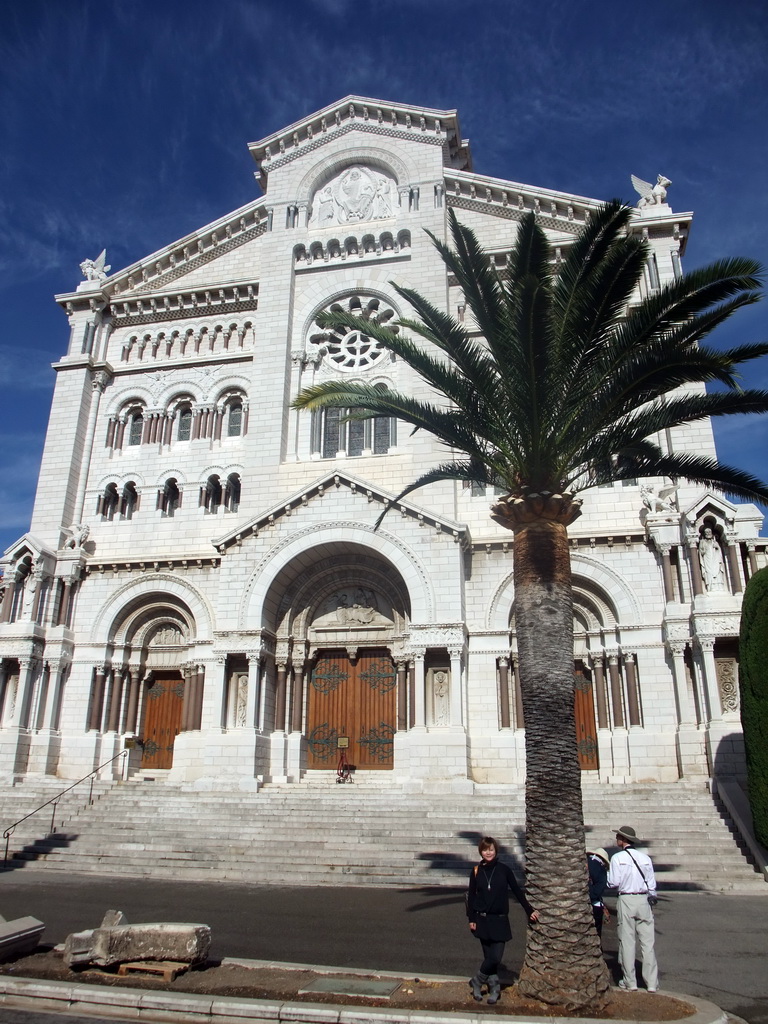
[{"x": 123, "y": 124}]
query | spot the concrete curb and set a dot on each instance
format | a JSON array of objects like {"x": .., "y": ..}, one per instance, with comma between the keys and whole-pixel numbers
[{"x": 190, "y": 1008}]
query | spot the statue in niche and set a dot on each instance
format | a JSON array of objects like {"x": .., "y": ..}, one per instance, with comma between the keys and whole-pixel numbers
[
  {"x": 440, "y": 697},
  {"x": 651, "y": 195},
  {"x": 356, "y": 194},
  {"x": 711, "y": 561},
  {"x": 34, "y": 580},
  {"x": 242, "y": 699}
]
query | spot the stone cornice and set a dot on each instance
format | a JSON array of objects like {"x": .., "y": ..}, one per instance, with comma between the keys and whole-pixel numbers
[
  {"x": 161, "y": 268},
  {"x": 156, "y": 307},
  {"x": 358, "y": 113},
  {"x": 333, "y": 481},
  {"x": 559, "y": 211}
]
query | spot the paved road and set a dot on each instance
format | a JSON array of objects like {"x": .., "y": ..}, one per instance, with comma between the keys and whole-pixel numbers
[{"x": 713, "y": 946}]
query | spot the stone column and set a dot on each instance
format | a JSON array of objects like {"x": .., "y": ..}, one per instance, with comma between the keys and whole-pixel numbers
[
  {"x": 420, "y": 721},
  {"x": 115, "y": 700},
  {"x": 50, "y": 713},
  {"x": 134, "y": 689},
  {"x": 5, "y": 676},
  {"x": 666, "y": 569},
  {"x": 504, "y": 692},
  {"x": 63, "y": 614},
  {"x": 97, "y": 699},
  {"x": 28, "y": 672},
  {"x": 253, "y": 704},
  {"x": 602, "y": 705},
  {"x": 616, "y": 694},
  {"x": 457, "y": 689},
  {"x": 188, "y": 700},
  {"x": 693, "y": 561},
  {"x": 751, "y": 549},
  {"x": 297, "y": 696},
  {"x": 411, "y": 694},
  {"x": 685, "y": 708},
  {"x": 197, "y": 720},
  {"x": 282, "y": 672},
  {"x": 707, "y": 648},
  {"x": 8, "y": 591},
  {"x": 632, "y": 701},
  {"x": 402, "y": 696},
  {"x": 734, "y": 564}
]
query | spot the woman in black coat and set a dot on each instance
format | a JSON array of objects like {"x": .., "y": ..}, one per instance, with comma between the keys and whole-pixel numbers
[{"x": 488, "y": 911}]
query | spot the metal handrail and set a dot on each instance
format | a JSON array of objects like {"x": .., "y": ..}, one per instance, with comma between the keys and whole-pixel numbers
[{"x": 55, "y": 801}]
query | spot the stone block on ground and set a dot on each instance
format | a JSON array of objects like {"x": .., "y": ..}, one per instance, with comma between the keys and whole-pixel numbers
[
  {"x": 19, "y": 936},
  {"x": 105, "y": 947}
]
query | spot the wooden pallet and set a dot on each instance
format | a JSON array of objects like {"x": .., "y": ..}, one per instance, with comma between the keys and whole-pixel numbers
[{"x": 169, "y": 969}]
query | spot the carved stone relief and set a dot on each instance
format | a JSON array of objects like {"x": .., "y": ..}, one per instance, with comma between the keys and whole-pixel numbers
[
  {"x": 356, "y": 194},
  {"x": 728, "y": 683},
  {"x": 353, "y": 607}
]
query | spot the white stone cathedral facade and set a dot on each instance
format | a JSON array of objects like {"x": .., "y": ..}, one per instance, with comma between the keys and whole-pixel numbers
[{"x": 202, "y": 582}]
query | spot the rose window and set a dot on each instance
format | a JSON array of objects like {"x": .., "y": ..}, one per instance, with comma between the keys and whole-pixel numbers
[{"x": 349, "y": 349}]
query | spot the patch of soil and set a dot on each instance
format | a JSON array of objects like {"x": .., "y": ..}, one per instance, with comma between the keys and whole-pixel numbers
[{"x": 283, "y": 984}]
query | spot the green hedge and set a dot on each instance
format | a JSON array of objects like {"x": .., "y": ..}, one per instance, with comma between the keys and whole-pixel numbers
[{"x": 753, "y": 679}]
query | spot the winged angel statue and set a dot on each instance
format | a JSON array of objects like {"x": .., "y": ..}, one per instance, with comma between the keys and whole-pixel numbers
[
  {"x": 94, "y": 270},
  {"x": 651, "y": 195}
]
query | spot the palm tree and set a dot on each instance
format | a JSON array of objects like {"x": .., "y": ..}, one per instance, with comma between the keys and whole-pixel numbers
[{"x": 562, "y": 386}]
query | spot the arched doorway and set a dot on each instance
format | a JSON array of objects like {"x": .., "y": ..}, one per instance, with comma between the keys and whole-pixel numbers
[
  {"x": 352, "y": 700},
  {"x": 163, "y": 702},
  {"x": 345, "y": 623}
]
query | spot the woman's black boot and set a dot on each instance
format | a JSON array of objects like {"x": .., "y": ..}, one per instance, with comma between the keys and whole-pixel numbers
[
  {"x": 476, "y": 984},
  {"x": 494, "y": 988}
]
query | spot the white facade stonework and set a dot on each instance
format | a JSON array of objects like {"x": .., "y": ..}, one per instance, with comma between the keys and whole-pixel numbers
[{"x": 202, "y": 575}]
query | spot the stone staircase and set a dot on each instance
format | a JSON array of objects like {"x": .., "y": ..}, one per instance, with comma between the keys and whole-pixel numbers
[{"x": 371, "y": 833}]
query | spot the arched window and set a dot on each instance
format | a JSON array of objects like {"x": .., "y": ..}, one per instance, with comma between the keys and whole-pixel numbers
[
  {"x": 129, "y": 500},
  {"x": 232, "y": 493},
  {"x": 334, "y": 434},
  {"x": 109, "y": 502},
  {"x": 184, "y": 429},
  {"x": 235, "y": 418},
  {"x": 135, "y": 427},
  {"x": 212, "y": 494},
  {"x": 169, "y": 498}
]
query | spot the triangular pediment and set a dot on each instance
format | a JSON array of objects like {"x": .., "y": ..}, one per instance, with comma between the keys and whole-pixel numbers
[
  {"x": 27, "y": 544},
  {"x": 335, "y": 481},
  {"x": 368, "y": 116},
  {"x": 710, "y": 504}
]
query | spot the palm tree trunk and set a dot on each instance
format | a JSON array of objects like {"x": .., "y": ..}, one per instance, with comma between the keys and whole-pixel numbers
[{"x": 563, "y": 964}]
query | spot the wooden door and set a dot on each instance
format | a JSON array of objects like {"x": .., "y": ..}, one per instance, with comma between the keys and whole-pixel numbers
[
  {"x": 356, "y": 700},
  {"x": 162, "y": 720},
  {"x": 584, "y": 707}
]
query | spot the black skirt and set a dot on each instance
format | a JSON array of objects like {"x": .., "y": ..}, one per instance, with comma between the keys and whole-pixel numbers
[{"x": 492, "y": 927}]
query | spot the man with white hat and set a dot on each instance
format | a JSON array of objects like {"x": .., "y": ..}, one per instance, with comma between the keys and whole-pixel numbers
[{"x": 631, "y": 872}]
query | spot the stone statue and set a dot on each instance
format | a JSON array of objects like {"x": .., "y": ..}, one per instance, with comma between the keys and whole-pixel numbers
[
  {"x": 651, "y": 195},
  {"x": 356, "y": 194},
  {"x": 661, "y": 502},
  {"x": 711, "y": 561},
  {"x": 440, "y": 697},
  {"x": 78, "y": 535},
  {"x": 94, "y": 270}
]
